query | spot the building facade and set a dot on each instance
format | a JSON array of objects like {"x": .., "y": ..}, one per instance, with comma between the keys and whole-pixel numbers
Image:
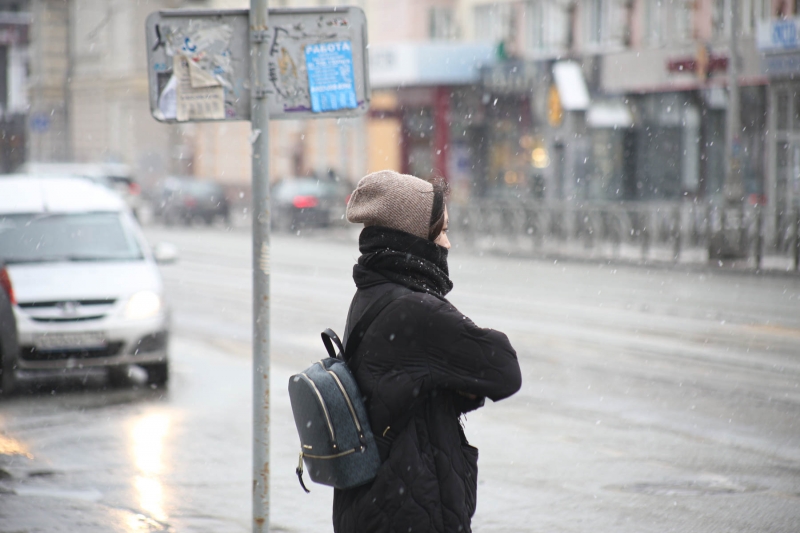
[
  {"x": 779, "y": 42},
  {"x": 547, "y": 100},
  {"x": 652, "y": 127},
  {"x": 15, "y": 22},
  {"x": 88, "y": 87}
]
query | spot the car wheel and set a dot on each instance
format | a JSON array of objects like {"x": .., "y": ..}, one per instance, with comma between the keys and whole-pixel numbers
[
  {"x": 8, "y": 379},
  {"x": 157, "y": 373}
]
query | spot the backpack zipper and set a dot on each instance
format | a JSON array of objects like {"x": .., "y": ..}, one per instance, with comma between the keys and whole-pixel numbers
[
  {"x": 324, "y": 408},
  {"x": 334, "y": 456},
  {"x": 349, "y": 405}
]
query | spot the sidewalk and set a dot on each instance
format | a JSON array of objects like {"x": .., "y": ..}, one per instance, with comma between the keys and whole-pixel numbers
[{"x": 658, "y": 256}]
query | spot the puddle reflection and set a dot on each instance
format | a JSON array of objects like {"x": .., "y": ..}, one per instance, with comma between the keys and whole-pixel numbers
[
  {"x": 147, "y": 435},
  {"x": 11, "y": 446}
]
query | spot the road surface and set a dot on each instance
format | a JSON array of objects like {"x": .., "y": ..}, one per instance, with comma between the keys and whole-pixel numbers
[{"x": 652, "y": 401}]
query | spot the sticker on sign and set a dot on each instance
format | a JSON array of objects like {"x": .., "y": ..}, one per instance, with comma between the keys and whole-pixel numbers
[
  {"x": 330, "y": 76},
  {"x": 70, "y": 341}
]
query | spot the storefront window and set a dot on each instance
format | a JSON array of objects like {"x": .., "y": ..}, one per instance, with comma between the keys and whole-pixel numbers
[
  {"x": 782, "y": 169},
  {"x": 663, "y": 157},
  {"x": 796, "y": 110},
  {"x": 605, "y": 181},
  {"x": 782, "y": 111},
  {"x": 713, "y": 152},
  {"x": 754, "y": 124},
  {"x": 517, "y": 155},
  {"x": 418, "y": 126}
]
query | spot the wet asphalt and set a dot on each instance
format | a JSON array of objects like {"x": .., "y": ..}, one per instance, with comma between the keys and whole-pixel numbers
[{"x": 653, "y": 400}]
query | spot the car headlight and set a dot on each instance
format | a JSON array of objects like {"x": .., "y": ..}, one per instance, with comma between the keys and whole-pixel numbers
[{"x": 144, "y": 304}]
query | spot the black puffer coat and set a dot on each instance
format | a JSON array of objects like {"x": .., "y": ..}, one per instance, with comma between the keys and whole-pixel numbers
[{"x": 421, "y": 356}]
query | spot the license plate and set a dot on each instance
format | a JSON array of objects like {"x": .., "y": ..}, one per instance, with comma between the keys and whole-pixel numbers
[{"x": 70, "y": 341}]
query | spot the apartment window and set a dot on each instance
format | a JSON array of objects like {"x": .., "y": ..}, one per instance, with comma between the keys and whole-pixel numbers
[
  {"x": 442, "y": 24},
  {"x": 594, "y": 21},
  {"x": 655, "y": 16},
  {"x": 546, "y": 26},
  {"x": 720, "y": 18},
  {"x": 684, "y": 19},
  {"x": 752, "y": 11},
  {"x": 782, "y": 113},
  {"x": 534, "y": 26},
  {"x": 605, "y": 22},
  {"x": 764, "y": 9},
  {"x": 494, "y": 22}
]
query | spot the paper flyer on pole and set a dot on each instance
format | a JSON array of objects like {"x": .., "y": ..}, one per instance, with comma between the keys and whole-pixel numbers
[
  {"x": 330, "y": 76},
  {"x": 199, "y": 95}
]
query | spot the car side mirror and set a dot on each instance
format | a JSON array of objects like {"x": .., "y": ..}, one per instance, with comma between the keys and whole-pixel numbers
[{"x": 165, "y": 253}]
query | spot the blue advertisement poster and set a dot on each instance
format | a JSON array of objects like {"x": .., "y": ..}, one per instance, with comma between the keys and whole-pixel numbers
[{"x": 330, "y": 76}]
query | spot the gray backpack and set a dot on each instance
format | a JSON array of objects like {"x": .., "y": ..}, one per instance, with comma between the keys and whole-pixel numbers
[{"x": 336, "y": 442}]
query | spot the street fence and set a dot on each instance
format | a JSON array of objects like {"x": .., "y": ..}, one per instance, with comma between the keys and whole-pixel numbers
[{"x": 664, "y": 231}]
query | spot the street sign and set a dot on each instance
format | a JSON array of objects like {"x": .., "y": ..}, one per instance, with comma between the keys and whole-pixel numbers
[
  {"x": 199, "y": 63},
  {"x": 40, "y": 122},
  {"x": 257, "y": 65}
]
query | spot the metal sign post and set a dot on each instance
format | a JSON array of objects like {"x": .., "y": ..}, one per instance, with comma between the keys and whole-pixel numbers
[
  {"x": 216, "y": 65},
  {"x": 259, "y": 120}
]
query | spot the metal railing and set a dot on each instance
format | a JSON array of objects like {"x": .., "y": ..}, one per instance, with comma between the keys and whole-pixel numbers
[{"x": 672, "y": 231}]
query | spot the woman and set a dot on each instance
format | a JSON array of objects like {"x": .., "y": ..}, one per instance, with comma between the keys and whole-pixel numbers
[{"x": 422, "y": 365}]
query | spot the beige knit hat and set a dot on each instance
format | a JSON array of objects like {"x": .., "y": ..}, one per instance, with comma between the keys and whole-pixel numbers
[{"x": 398, "y": 201}]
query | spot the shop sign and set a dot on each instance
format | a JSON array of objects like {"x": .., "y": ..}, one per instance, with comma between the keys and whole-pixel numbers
[
  {"x": 778, "y": 34},
  {"x": 40, "y": 122},
  {"x": 781, "y": 64},
  {"x": 511, "y": 77},
  {"x": 702, "y": 65}
]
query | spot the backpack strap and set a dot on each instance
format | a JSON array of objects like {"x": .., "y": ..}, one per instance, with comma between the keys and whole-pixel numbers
[
  {"x": 329, "y": 338},
  {"x": 385, "y": 437},
  {"x": 360, "y": 329}
]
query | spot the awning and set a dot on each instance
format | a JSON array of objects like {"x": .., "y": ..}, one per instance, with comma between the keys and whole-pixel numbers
[
  {"x": 609, "y": 115},
  {"x": 571, "y": 86}
]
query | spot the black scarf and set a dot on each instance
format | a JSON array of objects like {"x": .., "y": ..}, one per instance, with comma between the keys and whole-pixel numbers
[{"x": 406, "y": 259}]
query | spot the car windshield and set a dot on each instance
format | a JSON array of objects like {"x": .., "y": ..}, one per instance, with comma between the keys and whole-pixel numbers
[
  {"x": 35, "y": 238},
  {"x": 203, "y": 188},
  {"x": 194, "y": 188},
  {"x": 286, "y": 190}
]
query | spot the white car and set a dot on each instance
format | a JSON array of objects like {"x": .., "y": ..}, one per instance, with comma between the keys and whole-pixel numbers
[
  {"x": 86, "y": 288},
  {"x": 116, "y": 176}
]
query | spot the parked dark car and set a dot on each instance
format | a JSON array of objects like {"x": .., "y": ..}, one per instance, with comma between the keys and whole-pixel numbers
[
  {"x": 184, "y": 200},
  {"x": 9, "y": 348},
  {"x": 308, "y": 202}
]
